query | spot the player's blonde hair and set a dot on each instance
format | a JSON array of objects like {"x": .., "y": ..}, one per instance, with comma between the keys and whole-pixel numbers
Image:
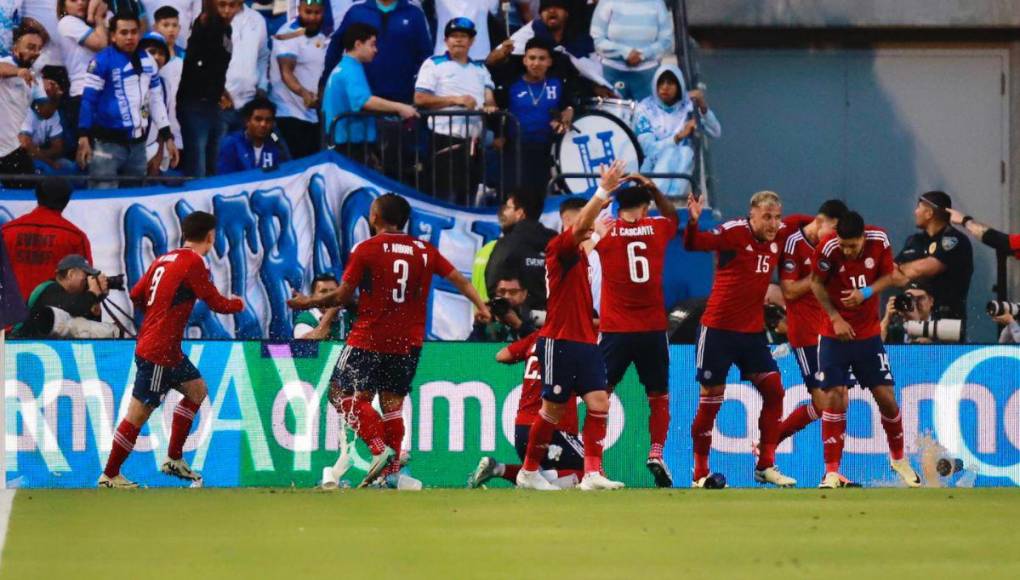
[{"x": 765, "y": 199}]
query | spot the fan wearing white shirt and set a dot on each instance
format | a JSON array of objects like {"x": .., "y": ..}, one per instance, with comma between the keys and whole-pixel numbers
[
  {"x": 455, "y": 83},
  {"x": 299, "y": 57}
]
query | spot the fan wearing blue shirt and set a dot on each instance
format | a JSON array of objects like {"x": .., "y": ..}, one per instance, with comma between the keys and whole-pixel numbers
[
  {"x": 347, "y": 91},
  {"x": 254, "y": 147},
  {"x": 541, "y": 106}
]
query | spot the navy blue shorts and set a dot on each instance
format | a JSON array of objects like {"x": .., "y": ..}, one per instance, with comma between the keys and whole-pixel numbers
[
  {"x": 565, "y": 451},
  {"x": 569, "y": 368},
  {"x": 153, "y": 382},
  {"x": 807, "y": 360},
  {"x": 649, "y": 351},
  {"x": 718, "y": 350},
  {"x": 840, "y": 362},
  {"x": 360, "y": 370}
]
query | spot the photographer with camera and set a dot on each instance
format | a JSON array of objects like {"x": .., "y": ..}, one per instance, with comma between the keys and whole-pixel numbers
[
  {"x": 68, "y": 306},
  {"x": 511, "y": 317},
  {"x": 1005, "y": 314},
  {"x": 915, "y": 304}
]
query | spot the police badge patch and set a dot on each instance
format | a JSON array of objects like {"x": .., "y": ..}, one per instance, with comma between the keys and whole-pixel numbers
[{"x": 949, "y": 242}]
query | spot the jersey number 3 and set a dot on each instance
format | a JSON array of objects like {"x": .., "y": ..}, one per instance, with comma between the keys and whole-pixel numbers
[
  {"x": 157, "y": 275},
  {"x": 402, "y": 270}
]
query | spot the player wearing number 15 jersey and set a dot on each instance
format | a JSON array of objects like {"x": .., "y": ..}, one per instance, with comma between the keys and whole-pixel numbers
[
  {"x": 392, "y": 272},
  {"x": 633, "y": 313},
  {"x": 733, "y": 328},
  {"x": 166, "y": 294},
  {"x": 850, "y": 271}
]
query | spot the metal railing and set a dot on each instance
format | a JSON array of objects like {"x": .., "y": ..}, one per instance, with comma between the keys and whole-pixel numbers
[
  {"x": 16, "y": 181},
  {"x": 450, "y": 164}
]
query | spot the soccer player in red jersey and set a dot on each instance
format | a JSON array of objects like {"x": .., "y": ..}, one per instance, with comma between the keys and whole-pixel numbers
[
  {"x": 804, "y": 316},
  {"x": 567, "y": 348},
  {"x": 393, "y": 273},
  {"x": 733, "y": 328},
  {"x": 563, "y": 465},
  {"x": 633, "y": 310},
  {"x": 850, "y": 271},
  {"x": 167, "y": 294}
]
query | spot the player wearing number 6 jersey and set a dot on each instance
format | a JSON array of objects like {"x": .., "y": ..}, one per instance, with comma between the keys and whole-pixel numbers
[
  {"x": 166, "y": 294},
  {"x": 633, "y": 313},
  {"x": 392, "y": 272},
  {"x": 850, "y": 271},
  {"x": 733, "y": 328}
]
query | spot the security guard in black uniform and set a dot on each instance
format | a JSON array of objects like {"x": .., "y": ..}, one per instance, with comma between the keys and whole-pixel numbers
[{"x": 940, "y": 254}]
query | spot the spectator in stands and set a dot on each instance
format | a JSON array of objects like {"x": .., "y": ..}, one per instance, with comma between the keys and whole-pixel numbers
[
  {"x": 299, "y": 55},
  {"x": 38, "y": 240},
  {"x": 203, "y": 82},
  {"x": 256, "y": 147},
  {"x": 156, "y": 163},
  {"x": 347, "y": 91},
  {"x": 511, "y": 317},
  {"x": 167, "y": 25},
  {"x": 453, "y": 82},
  {"x": 476, "y": 11},
  {"x": 83, "y": 33},
  {"x": 325, "y": 324},
  {"x": 543, "y": 110},
  {"x": 19, "y": 88},
  {"x": 631, "y": 37},
  {"x": 521, "y": 248},
  {"x": 248, "y": 71},
  {"x": 42, "y": 134},
  {"x": 404, "y": 43},
  {"x": 184, "y": 11},
  {"x": 122, "y": 92},
  {"x": 571, "y": 50},
  {"x": 665, "y": 124}
]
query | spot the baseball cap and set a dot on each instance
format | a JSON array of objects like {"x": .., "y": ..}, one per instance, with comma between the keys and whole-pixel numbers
[
  {"x": 920, "y": 285},
  {"x": 937, "y": 199},
  {"x": 72, "y": 261},
  {"x": 460, "y": 24}
]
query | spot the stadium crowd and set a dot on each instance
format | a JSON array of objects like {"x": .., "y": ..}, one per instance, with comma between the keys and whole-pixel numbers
[{"x": 120, "y": 89}]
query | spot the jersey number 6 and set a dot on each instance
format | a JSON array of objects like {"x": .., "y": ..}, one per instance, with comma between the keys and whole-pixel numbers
[{"x": 638, "y": 264}]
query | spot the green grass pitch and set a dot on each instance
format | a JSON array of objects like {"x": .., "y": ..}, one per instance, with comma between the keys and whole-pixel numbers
[{"x": 261, "y": 533}]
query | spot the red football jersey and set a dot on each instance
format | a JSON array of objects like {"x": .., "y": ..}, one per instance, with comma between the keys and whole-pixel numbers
[
  {"x": 531, "y": 388},
  {"x": 167, "y": 294},
  {"x": 568, "y": 284},
  {"x": 393, "y": 272},
  {"x": 841, "y": 273},
  {"x": 743, "y": 271},
  {"x": 804, "y": 315},
  {"x": 632, "y": 255},
  {"x": 1014, "y": 244}
]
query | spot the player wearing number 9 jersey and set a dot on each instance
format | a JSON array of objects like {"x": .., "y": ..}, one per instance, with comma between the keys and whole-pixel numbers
[
  {"x": 166, "y": 295},
  {"x": 733, "y": 328},
  {"x": 392, "y": 273},
  {"x": 633, "y": 313},
  {"x": 850, "y": 271}
]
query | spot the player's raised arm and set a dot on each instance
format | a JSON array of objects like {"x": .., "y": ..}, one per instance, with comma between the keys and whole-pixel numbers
[
  {"x": 342, "y": 296},
  {"x": 665, "y": 207},
  {"x": 612, "y": 176},
  {"x": 699, "y": 241}
]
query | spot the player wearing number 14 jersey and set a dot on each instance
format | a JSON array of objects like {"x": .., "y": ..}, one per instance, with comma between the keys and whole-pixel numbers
[
  {"x": 850, "y": 271},
  {"x": 166, "y": 294},
  {"x": 633, "y": 313},
  {"x": 392, "y": 271}
]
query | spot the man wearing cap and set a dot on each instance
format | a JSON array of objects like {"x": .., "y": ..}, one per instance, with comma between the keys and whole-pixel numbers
[
  {"x": 38, "y": 240},
  {"x": 921, "y": 306},
  {"x": 939, "y": 254},
  {"x": 453, "y": 82},
  {"x": 77, "y": 289}
]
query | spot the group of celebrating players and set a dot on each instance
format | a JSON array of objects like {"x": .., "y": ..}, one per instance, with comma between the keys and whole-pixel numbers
[{"x": 832, "y": 267}]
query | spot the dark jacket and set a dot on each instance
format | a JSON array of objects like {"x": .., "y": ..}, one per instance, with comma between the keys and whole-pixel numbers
[
  {"x": 51, "y": 294},
  {"x": 521, "y": 250},
  {"x": 238, "y": 154},
  {"x": 205, "y": 61},
  {"x": 404, "y": 43}
]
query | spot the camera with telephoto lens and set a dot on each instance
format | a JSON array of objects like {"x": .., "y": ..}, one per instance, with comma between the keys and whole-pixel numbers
[
  {"x": 115, "y": 282},
  {"x": 499, "y": 306},
  {"x": 903, "y": 303},
  {"x": 996, "y": 308},
  {"x": 943, "y": 330}
]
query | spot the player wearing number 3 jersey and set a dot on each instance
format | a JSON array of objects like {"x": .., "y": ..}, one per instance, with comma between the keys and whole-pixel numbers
[
  {"x": 392, "y": 272},
  {"x": 633, "y": 313},
  {"x": 166, "y": 295}
]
